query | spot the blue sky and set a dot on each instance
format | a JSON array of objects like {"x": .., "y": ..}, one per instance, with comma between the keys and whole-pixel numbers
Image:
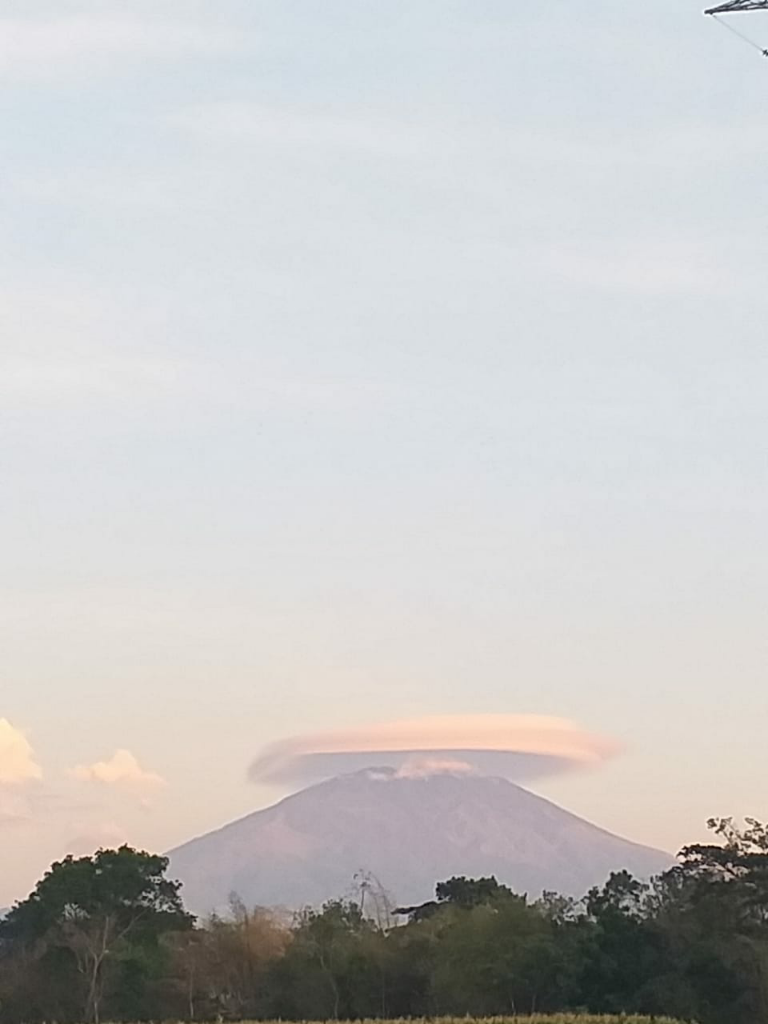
[{"x": 362, "y": 361}]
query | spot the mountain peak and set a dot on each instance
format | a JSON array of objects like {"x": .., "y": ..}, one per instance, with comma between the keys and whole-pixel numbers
[{"x": 411, "y": 827}]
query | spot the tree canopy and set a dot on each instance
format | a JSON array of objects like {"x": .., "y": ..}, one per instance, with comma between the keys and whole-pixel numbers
[
  {"x": 87, "y": 912},
  {"x": 108, "y": 936}
]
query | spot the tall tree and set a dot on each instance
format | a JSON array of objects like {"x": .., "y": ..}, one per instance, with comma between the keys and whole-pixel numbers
[
  {"x": 93, "y": 907},
  {"x": 713, "y": 908}
]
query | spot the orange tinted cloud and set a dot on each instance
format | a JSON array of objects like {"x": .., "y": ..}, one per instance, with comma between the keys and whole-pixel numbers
[
  {"x": 122, "y": 769},
  {"x": 512, "y": 745},
  {"x": 17, "y": 759}
]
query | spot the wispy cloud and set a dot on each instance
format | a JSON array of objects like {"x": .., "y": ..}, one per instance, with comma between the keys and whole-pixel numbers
[
  {"x": 122, "y": 769},
  {"x": 17, "y": 758},
  {"x": 44, "y": 48}
]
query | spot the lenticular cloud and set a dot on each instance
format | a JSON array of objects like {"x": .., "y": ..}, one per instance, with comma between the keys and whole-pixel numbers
[{"x": 517, "y": 747}]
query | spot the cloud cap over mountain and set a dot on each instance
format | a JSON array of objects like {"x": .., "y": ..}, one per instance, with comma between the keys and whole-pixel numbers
[{"x": 516, "y": 747}]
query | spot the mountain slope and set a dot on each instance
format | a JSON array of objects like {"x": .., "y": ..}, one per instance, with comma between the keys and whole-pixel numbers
[{"x": 410, "y": 832}]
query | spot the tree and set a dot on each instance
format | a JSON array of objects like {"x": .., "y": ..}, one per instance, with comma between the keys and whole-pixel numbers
[
  {"x": 736, "y": 872},
  {"x": 713, "y": 912},
  {"x": 623, "y": 949},
  {"x": 239, "y": 952},
  {"x": 93, "y": 907},
  {"x": 494, "y": 960},
  {"x": 621, "y": 896},
  {"x": 461, "y": 892},
  {"x": 108, "y": 936},
  {"x": 187, "y": 980},
  {"x": 327, "y": 972},
  {"x": 471, "y": 892}
]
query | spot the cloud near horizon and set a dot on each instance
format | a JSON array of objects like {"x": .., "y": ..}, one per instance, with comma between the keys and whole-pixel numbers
[
  {"x": 515, "y": 746},
  {"x": 17, "y": 758},
  {"x": 122, "y": 769}
]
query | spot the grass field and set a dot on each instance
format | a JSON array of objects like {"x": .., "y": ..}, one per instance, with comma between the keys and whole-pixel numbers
[{"x": 558, "y": 1018}]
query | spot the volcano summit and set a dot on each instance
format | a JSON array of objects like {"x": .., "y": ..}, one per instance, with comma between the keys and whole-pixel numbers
[{"x": 410, "y": 829}]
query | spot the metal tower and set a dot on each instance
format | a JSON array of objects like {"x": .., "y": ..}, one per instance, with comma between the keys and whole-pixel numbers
[{"x": 733, "y": 6}]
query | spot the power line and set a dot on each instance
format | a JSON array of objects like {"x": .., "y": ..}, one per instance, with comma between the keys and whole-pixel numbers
[{"x": 750, "y": 42}]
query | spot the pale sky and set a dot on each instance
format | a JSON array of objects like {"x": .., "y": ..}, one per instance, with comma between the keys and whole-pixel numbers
[{"x": 369, "y": 360}]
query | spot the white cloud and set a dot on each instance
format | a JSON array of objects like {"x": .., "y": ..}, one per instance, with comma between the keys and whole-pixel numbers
[
  {"x": 424, "y": 767},
  {"x": 35, "y": 48},
  {"x": 17, "y": 759},
  {"x": 122, "y": 769}
]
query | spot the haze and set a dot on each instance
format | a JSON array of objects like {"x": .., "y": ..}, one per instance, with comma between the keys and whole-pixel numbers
[{"x": 367, "y": 361}]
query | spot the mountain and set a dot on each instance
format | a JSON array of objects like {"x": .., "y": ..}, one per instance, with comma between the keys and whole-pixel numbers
[{"x": 409, "y": 832}]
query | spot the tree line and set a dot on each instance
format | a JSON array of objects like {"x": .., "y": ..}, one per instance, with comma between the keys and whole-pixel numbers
[{"x": 107, "y": 937}]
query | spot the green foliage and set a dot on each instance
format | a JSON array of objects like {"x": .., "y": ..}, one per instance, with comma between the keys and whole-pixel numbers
[
  {"x": 91, "y": 927},
  {"x": 108, "y": 936},
  {"x": 126, "y": 885}
]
